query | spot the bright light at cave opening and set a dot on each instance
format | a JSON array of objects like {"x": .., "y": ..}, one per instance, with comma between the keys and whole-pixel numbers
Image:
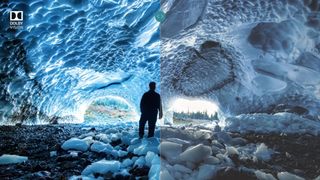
[
  {"x": 110, "y": 109},
  {"x": 186, "y": 105},
  {"x": 197, "y": 110}
]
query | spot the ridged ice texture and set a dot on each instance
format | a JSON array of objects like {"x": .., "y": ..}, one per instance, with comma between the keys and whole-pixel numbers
[
  {"x": 246, "y": 56},
  {"x": 69, "y": 53}
]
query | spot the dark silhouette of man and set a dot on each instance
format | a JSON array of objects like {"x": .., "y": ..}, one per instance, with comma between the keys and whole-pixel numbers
[{"x": 150, "y": 105}]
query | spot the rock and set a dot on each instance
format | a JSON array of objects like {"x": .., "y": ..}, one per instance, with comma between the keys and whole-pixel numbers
[
  {"x": 230, "y": 173},
  {"x": 139, "y": 171},
  {"x": 238, "y": 141}
]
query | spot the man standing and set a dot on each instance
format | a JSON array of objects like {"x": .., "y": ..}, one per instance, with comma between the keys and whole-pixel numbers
[{"x": 149, "y": 106}]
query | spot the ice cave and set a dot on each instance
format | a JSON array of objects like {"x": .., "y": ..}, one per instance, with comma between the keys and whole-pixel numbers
[{"x": 239, "y": 82}]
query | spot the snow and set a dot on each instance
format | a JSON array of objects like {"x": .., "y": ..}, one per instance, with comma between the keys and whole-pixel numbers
[
  {"x": 12, "y": 159},
  {"x": 288, "y": 176},
  {"x": 102, "y": 167},
  {"x": 76, "y": 144},
  {"x": 277, "y": 123}
]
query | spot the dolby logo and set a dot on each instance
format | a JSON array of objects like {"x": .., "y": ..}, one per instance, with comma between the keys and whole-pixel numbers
[
  {"x": 16, "y": 19},
  {"x": 16, "y": 15}
]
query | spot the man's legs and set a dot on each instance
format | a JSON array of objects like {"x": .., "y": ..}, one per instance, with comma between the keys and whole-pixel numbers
[
  {"x": 152, "y": 125},
  {"x": 142, "y": 124}
]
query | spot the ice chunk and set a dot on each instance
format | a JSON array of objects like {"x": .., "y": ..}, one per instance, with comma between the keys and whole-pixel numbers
[
  {"x": 181, "y": 168},
  {"x": 196, "y": 154},
  {"x": 263, "y": 153},
  {"x": 12, "y": 159},
  {"x": 101, "y": 147},
  {"x": 102, "y": 167},
  {"x": 212, "y": 160},
  {"x": 115, "y": 137},
  {"x": 224, "y": 137},
  {"x": 75, "y": 144},
  {"x": 103, "y": 137},
  {"x": 232, "y": 150},
  {"x": 126, "y": 137},
  {"x": 122, "y": 153},
  {"x": 126, "y": 163},
  {"x": 154, "y": 172},
  {"x": 150, "y": 157},
  {"x": 288, "y": 176},
  {"x": 53, "y": 153},
  {"x": 170, "y": 150},
  {"x": 264, "y": 176},
  {"x": 164, "y": 174},
  {"x": 142, "y": 147},
  {"x": 140, "y": 161},
  {"x": 207, "y": 172}
]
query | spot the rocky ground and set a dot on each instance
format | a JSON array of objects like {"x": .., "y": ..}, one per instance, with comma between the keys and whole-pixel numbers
[
  {"x": 297, "y": 154},
  {"x": 36, "y": 142}
]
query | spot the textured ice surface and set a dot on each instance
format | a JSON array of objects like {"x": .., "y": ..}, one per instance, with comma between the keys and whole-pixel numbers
[
  {"x": 69, "y": 53},
  {"x": 245, "y": 56},
  {"x": 278, "y": 123}
]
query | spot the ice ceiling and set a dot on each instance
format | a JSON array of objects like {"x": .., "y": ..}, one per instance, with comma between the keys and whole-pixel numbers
[
  {"x": 245, "y": 56},
  {"x": 69, "y": 53}
]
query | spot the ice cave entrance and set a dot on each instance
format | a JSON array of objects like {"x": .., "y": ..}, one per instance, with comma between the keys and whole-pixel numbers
[
  {"x": 195, "y": 111},
  {"x": 110, "y": 109}
]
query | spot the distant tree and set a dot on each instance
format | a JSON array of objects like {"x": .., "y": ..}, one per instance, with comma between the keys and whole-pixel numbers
[{"x": 195, "y": 115}]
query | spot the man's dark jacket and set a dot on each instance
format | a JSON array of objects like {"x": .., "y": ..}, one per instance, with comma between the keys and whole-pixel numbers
[{"x": 150, "y": 103}]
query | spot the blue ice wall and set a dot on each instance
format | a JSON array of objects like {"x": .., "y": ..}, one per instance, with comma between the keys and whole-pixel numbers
[{"x": 69, "y": 53}]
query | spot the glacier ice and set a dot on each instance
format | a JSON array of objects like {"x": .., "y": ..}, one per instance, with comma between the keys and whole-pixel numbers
[
  {"x": 70, "y": 53},
  {"x": 246, "y": 57}
]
